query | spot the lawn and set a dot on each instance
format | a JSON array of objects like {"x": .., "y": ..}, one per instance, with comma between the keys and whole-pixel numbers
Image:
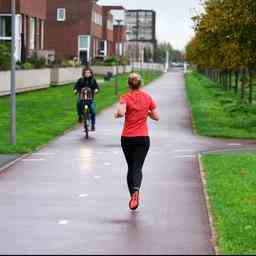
[
  {"x": 231, "y": 184},
  {"x": 219, "y": 113},
  {"x": 43, "y": 115}
]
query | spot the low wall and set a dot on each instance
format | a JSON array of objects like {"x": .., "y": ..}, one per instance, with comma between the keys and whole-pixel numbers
[
  {"x": 26, "y": 80},
  {"x": 149, "y": 66},
  {"x": 65, "y": 75},
  {"x": 29, "y": 80},
  {"x": 103, "y": 70}
]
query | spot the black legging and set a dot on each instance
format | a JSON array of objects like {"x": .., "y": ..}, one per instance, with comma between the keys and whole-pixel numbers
[{"x": 135, "y": 150}]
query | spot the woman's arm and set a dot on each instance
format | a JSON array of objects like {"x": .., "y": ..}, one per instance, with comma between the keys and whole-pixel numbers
[
  {"x": 77, "y": 86},
  {"x": 96, "y": 86},
  {"x": 120, "y": 111},
  {"x": 154, "y": 115}
]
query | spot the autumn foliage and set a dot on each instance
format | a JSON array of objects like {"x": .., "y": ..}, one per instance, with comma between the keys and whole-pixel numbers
[{"x": 224, "y": 46}]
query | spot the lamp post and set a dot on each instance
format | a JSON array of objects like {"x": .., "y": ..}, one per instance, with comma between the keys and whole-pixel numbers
[
  {"x": 94, "y": 3},
  {"x": 117, "y": 55},
  {"x": 13, "y": 76}
]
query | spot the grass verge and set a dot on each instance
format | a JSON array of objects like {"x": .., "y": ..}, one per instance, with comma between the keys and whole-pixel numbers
[
  {"x": 231, "y": 183},
  {"x": 43, "y": 115},
  {"x": 219, "y": 113}
]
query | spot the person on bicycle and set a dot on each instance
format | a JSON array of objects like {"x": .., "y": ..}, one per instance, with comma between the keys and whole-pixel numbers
[
  {"x": 136, "y": 106},
  {"x": 87, "y": 80}
]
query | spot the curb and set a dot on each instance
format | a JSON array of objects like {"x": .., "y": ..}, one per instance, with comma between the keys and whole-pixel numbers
[
  {"x": 214, "y": 235},
  {"x": 192, "y": 121},
  {"x": 8, "y": 165}
]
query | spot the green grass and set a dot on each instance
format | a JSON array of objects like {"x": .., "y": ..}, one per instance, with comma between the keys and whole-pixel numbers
[
  {"x": 219, "y": 113},
  {"x": 43, "y": 115},
  {"x": 231, "y": 184}
]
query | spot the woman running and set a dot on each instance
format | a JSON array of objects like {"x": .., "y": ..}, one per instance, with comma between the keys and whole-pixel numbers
[{"x": 136, "y": 106}]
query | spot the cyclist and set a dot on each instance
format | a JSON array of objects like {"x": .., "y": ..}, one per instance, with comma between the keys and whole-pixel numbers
[
  {"x": 87, "y": 80},
  {"x": 136, "y": 106}
]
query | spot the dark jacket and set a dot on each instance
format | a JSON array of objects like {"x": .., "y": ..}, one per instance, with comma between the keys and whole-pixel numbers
[{"x": 87, "y": 82}]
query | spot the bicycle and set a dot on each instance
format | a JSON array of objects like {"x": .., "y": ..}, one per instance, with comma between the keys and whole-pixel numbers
[{"x": 86, "y": 98}]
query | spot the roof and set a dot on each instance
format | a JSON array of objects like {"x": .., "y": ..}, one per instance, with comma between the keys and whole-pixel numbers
[{"x": 113, "y": 7}]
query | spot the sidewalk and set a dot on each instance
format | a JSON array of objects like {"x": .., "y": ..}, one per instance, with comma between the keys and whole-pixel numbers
[{"x": 71, "y": 197}]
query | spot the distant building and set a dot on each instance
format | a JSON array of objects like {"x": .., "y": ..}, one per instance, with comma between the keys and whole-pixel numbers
[
  {"x": 83, "y": 29},
  {"x": 30, "y": 26},
  {"x": 120, "y": 37},
  {"x": 141, "y": 33}
]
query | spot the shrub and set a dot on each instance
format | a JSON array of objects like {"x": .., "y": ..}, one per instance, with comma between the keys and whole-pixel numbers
[
  {"x": 26, "y": 65},
  {"x": 111, "y": 61},
  {"x": 124, "y": 61},
  {"x": 98, "y": 60},
  {"x": 67, "y": 63},
  {"x": 5, "y": 56},
  {"x": 37, "y": 62}
]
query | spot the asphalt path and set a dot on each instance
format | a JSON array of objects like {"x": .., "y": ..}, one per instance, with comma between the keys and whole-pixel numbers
[{"x": 71, "y": 197}]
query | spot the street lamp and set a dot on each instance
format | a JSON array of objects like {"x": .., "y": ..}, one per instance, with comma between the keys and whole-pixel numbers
[
  {"x": 13, "y": 76},
  {"x": 118, "y": 21}
]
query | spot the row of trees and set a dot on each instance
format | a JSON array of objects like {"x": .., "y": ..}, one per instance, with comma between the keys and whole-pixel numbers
[
  {"x": 160, "y": 53},
  {"x": 224, "y": 46}
]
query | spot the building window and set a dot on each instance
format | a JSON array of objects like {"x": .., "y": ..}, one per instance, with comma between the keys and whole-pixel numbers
[
  {"x": 83, "y": 42},
  {"x": 42, "y": 34},
  {"x": 98, "y": 19},
  {"x": 110, "y": 25},
  {"x": 5, "y": 27},
  {"x": 61, "y": 14},
  {"x": 103, "y": 48},
  {"x": 32, "y": 30}
]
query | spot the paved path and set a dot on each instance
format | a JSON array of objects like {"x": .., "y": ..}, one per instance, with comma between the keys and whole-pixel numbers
[{"x": 71, "y": 197}]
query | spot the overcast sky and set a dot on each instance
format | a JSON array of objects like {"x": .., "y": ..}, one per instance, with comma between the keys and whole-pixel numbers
[{"x": 173, "y": 17}]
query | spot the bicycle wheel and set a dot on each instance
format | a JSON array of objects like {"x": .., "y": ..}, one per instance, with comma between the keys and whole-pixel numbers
[{"x": 86, "y": 123}]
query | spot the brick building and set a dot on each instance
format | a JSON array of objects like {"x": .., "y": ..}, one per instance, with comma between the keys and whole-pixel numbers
[
  {"x": 79, "y": 28},
  {"x": 30, "y": 25},
  {"x": 120, "y": 37}
]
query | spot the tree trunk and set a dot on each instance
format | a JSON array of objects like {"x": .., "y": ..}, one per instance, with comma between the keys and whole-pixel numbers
[
  {"x": 250, "y": 87},
  {"x": 222, "y": 79},
  {"x": 230, "y": 80},
  {"x": 236, "y": 81},
  {"x": 243, "y": 85},
  {"x": 225, "y": 80}
]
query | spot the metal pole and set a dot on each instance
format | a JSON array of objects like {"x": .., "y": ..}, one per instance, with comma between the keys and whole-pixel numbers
[
  {"x": 117, "y": 55},
  {"x": 13, "y": 76}
]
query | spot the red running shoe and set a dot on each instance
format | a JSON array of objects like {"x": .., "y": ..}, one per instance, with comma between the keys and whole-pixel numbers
[{"x": 134, "y": 202}]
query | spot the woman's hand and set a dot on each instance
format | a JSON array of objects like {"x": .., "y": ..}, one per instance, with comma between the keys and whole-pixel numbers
[
  {"x": 120, "y": 111},
  {"x": 154, "y": 115},
  {"x": 117, "y": 115}
]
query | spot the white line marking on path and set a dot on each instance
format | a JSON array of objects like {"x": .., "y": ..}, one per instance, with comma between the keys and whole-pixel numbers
[
  {"x": 43, "y": 154},
  {"x": 107, "y": 164},
  {"x": 116, "y": 153},
  {"x": 234, "y": 144},
  {"x": 97, "y": 177},
  {"x": 82, "y": 158},
  {"x": 83, "y": 195},
  {"x": 184, "y": 150},
  {"x": 63, "y": 222},
  {"x": 34, "y": 160},
  {"x": 186, "y": 156}
]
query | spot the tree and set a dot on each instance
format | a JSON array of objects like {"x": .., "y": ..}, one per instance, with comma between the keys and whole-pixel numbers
[{"x": 225, "y": 42}]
